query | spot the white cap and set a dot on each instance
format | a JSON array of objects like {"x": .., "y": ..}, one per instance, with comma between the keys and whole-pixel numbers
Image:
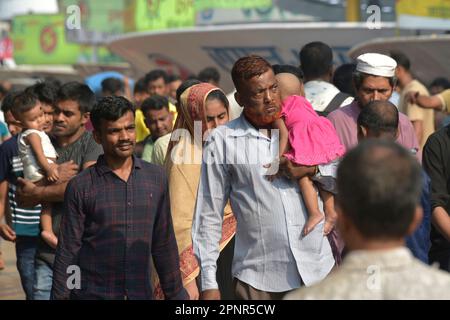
[{"x": 376, "y": 64}]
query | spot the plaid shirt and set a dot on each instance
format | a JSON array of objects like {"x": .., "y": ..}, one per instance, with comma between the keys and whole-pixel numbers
[{"x": 111, "y": 230}]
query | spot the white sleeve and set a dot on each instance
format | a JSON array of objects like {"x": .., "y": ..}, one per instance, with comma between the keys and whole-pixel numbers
[{"x": 212, "y": 196}]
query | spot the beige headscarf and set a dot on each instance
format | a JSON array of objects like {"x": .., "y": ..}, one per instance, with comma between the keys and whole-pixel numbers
[{"x": 184, "y": 177}]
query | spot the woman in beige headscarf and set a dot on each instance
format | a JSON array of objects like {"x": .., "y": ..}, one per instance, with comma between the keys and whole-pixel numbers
[{"x": 202, "y": 108}]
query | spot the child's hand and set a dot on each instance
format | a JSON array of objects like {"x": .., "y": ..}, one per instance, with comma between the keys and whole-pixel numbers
[{"x": 52, "y": 172}]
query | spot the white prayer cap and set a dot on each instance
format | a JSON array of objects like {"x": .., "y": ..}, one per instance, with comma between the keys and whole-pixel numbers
[{"x": 376, "y": 64}]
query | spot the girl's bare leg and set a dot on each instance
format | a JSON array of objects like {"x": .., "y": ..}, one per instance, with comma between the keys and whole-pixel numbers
[
  {"x": 330, "y": 213},
  {"x": 312, "y": 204},
  {"x": 46, "y": 224}
]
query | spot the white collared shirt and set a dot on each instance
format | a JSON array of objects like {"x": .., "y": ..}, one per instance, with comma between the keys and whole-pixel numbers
[{"x": 270, "y": 253}]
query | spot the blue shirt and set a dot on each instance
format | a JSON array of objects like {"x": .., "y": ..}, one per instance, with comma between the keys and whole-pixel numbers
[
  {"x": 25, "y": 221},
  {"x": 270, "y": 253},
  {"x": 419, "y": 242}
]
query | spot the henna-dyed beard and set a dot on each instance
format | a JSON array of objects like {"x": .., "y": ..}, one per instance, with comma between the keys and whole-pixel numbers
[{"x": 261, "y": 120}]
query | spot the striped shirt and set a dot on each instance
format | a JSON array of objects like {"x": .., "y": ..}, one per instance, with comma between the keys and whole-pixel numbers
[
  {"x": 25, "y": 221},
  {"x": 270, "y": 254}
]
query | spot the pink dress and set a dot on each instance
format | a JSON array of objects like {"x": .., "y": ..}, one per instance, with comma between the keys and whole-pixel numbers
[{"x": 313, "y": 139}]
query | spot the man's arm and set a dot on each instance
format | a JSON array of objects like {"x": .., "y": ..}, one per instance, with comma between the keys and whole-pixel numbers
[
  {"x": 296, "y": 171},
  {"x": 434, "y": 161},
  {"x": 28, "y": 195},
  {"x": 213, "y": 194},
  {"x": 5, "y": 231},
  {"x": 69, "y": 241},
  {"x": 441, "y": 220},
  {"x": 165, "y": 250},
  {"x": 429, "y": 102},
  {"x": 418, "y": 129}
]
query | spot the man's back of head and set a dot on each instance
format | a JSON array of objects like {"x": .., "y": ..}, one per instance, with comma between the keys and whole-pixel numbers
[
  {"x": 378, "y": 119},
  {"x": 379, "y": 185},
  {"x": 209, "y": 74},
  {"x": 316, "y": 61}
]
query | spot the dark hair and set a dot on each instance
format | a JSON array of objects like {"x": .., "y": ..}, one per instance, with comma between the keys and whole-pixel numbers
[
  {"x": 401, "y": 59},
  {"x": 379, "y": 185},
  {"x": 112, "y": 85},
  {"x": 208, "y": 74},
  {"x": 8, "y": 101},
  {"x": 379, "y": 117},
  {"x": 358, "y": 78},
  {"x": 316, "y": 59},
  {"x": 140, "y": 86},
  {"x": 79, "y": 93},
  {"x": 248, "y": 67},
  {"x": 440, "y": 82},
  {"x": 218, "y": 95},
  {"x": 191, "y": 77},
  {"x": 186, "y": 84},
  {"x": 23, "y": 102},
  {"x": 172, "y": 78},
  {"x": 286, "y": 68},
  {"x": 3, "y": 90},
  {"x": 155, "y": 102},
  {"x": 342, "y": 78},
  {"x": 46, "y": 92},
  {"x": 155, "y": 75},
  {"x": 53, "y": 81},
  {"x": 110, "y": 109}
]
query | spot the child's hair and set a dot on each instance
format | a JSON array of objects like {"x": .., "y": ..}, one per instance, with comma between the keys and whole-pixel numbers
[
  {"x": 23, "y": 102},
  {"x": 46, "y": 92}
]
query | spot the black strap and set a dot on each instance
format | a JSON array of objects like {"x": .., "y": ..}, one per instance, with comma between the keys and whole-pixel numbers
[{"x": 334, "y": 104}]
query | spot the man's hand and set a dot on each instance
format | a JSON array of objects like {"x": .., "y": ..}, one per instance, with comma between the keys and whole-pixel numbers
[
  {"x": 26, "y": 194},
  {"x": 411, "y": 96},
  {"x": 67, "y": 171},
  {"x": 7, "y": 233},
  {"x": 295, "y": 171},
  {"x": 211, "y": 294}
]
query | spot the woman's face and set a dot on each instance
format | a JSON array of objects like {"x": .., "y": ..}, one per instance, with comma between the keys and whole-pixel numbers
[{"x": 216, "y": 114}]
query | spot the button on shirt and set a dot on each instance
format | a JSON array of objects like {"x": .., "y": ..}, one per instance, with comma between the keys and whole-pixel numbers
[
  {"x": 111, "y": 229},
  {"x": 270, "y": 253}
]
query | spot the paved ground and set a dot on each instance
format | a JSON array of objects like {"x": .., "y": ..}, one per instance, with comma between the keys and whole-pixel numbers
[{"x": 10, "y": 288}]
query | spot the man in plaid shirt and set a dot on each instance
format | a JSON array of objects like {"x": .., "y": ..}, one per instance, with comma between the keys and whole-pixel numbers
[{"x": 117, "y": 219}]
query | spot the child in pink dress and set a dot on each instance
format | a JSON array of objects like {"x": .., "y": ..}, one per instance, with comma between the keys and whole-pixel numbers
[{"x": 313, "y": 141}]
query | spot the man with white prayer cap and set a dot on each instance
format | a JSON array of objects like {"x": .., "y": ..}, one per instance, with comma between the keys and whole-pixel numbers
[{"x": 374, "y": 79}]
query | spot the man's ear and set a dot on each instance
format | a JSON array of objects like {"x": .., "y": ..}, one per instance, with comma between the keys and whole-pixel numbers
[
  {"x": 96, "y": 136},
  {"x": 362, "y": 133},
  {"x": 416, "y": 221},
  {"x": 238, "y": 99},
  {"x": 397, "y": 133},
  {"x": 85, "y": 117}
]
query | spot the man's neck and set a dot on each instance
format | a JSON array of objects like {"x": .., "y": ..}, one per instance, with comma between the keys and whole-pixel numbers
[
  {"x": 407, "y": 79},
  {"x": 64, "y": 141},
  {"x": 322, "y": 78},
  {"x": 120, "y": 166},
  {"x": 263, "y": 129},
  {"x": 378, "y": 244}
]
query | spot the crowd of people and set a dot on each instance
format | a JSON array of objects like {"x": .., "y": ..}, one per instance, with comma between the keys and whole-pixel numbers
[{"x": 307, "y": 182}]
